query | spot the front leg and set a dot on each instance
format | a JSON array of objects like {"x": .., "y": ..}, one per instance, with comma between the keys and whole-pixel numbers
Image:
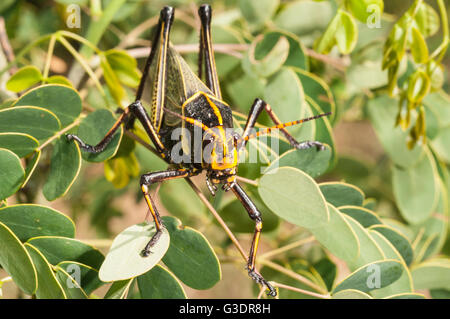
[
  {"x": 255, "y": 215},
  {"x": 146, "y": 181},
  {"x": 256, "y": 109}
]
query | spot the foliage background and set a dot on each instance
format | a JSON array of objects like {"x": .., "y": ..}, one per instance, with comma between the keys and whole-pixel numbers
[{"x": 405, "y": 191}]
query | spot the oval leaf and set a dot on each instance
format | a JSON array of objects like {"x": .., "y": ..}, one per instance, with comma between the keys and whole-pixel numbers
[
  {"x": 64, "y": 168},
  {"x": 16, "y": 261},
  {"x": 432, "y": 274},
  {"x": 363, "y": 215},
  {"x": 337, "y": 236},
  {"x": 189, "y": 252},
  {"x": 311, "y": 161},
  {"x": 29, "y": 220},
  {"x": 12, "y": 173},
  {"x": 19, "y": 143},
  {"x": 372, "y": 276},
  {"x": 48, "y": 286},
  {"x": 399, "y": 241},
  {"x": 159, "y": 283},
  {"x": 342, "y": 194},
  {"x": 124, "y": 259},
  {"x": 61, "y": 100},
  {"x": 294, "y": 196},
  {"x": 24, "y": 78},
  {"x": 415, "y": 190},
  {"x": 35, "y": 121},
  {"x": 58, "y": 249},
  {"x": 87, "y": 277}
]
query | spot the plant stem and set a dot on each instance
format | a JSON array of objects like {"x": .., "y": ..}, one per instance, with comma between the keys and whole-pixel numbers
[
  {"x": 247, "y": 181},
  {"x": 218, "y": 218},
  {"x": 292, "y": 274},
  {"x": 287, "y": 247},
  {"x": 302, "y": 291},
  {"x": 84, "y": 64},
  {"x": 48, "y": 60}
]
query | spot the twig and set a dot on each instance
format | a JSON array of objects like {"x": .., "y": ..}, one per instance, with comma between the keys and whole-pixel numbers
[
  {"x": 247, "y": 181},
  {"x": 302, "y": 291},
  {"x": 287, "y": 247},
  {"x": 218, "y": 218},
  {"x": 6, "y": 46},
  {"x": 291, "y": 274}
]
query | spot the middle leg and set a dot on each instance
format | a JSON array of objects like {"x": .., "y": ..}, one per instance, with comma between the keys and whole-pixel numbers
[{"x": 146, "y": 181}]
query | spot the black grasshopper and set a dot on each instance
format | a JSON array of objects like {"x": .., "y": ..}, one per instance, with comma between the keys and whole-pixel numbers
[{"x": 180, "y": 99}]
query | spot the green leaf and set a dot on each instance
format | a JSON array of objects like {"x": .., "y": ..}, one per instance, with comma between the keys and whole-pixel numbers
[
  {"x": 159, "y": 283},
  {"x": 418, "y": 87},
  {"x": 311, "y": 161},
  {"x": 24, "y": 78},
  {"x": 62, "y": 101},
  {"x": 19, "y": 143},
  {"x": 265, "y": 56},
  {"x": 432, "y": 274},
  {"x": 369, "y": 251},
  {"x": 58, "y": 249},
  {"x": 92, "y": 130},
  {"x": 48, "y": 286},
  {"x": 351, "y": 294},
  {"x": 337, "y": 236},
  {"x": 342, "y": 194},
  {"x": 119, "y": 289},
  {"x": 382, "y": 112},
  {"x": 87, "y": 276},
  {"x": 404, "y": 283},
  {"x": 112, "y": 81},
  {"x": 363, "y": 9},
  {"x": 71, "y": 287},
  {"x": 318, "y": 90},
  {"x": 415, "y": 189},
  {"x": 59, "y": 79},
  {"x": 285, "y": 95},
  {"x": 342, "y": 31},
  {"x": 124, "y": 66},
  {"x": 16, "y": 261},
  {"x": 188, "y": 253},
  {"x": 64, "y": 168},
  {"x": 294, "y": 196},
  {"x": 419, "y": 49},
  {"x": 346, "y": 33},
  {"x": 372, "y": 276},
  {"x": 363, "y": 215},
  {"x": 427, "y": 20},
  {"x": 407, "y": 296},
  {"x": 124, "y": 259},
  {"x": 31, "y": 220},
  {"x": 297, "y": 56},
  {"x": 258, "y": 12},
  {"x": 327, "y": 271},
  {"x": 35, "y": 121},
  {"x": 304, "y": 17},
  {"x": 12, "y": 173},
  {"x": 399, "y": 241}
]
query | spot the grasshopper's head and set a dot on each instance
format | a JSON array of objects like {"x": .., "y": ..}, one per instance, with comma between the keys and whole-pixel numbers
[{"x": 220, "y": 155}]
